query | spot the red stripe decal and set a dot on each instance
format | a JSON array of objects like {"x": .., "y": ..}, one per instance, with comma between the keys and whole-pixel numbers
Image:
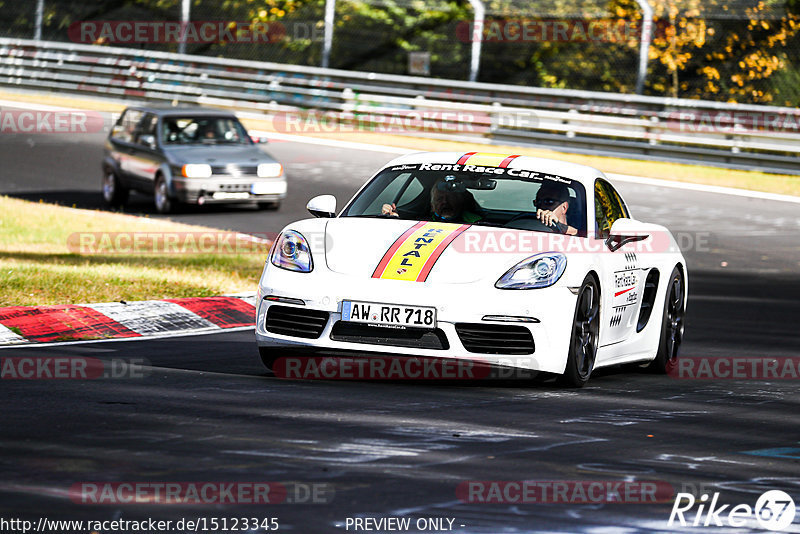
[
  {"x": 618, "y": 293},
  {"x": 389, "y": 253},
  {"x": 225, "y": 312},
  {"x": 426, "y": 269},
  {"x": 509, "y": 159},
  {"x": 62, "y": 323},
  {"x": 463, "y": 159}
]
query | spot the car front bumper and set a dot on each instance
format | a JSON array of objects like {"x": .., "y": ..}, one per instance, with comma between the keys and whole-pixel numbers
[
  {"x": 456, "y": 304},
  {"x": 228, "y": 189}
]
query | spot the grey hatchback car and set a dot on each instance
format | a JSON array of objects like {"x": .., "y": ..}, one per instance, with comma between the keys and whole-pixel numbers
[{"x": 188, "y": 154}]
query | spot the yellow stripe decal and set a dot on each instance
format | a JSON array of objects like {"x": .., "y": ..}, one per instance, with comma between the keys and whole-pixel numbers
[
  {"x": 412, "y": 256},
  {"x": 486, "y": 160}
]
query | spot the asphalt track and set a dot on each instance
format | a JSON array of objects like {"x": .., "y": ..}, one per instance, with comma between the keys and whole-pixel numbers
[{"x": 207, "y": 411}]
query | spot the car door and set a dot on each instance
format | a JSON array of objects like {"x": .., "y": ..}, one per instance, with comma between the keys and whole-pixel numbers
[
  {"x": 624, "y": 281},
  {"x": 121, "y": 142},
  {"x": 145, "y": 157}
]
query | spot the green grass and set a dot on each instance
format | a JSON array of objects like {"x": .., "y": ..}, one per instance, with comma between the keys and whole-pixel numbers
[{"x": 41, "y": 263}]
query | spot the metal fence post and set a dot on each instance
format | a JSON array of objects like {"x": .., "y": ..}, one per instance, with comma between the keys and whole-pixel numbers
[
  {"x": 330, "y": 10},
  {"x": 477, "y": 30},
  {"x": 644, "y": 44},
  {"x": 185, "y": 13},
  {"x": 37, "y": 31}
]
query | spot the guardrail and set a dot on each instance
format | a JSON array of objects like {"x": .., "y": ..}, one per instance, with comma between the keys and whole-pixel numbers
[{"x": 763, "y": 138}]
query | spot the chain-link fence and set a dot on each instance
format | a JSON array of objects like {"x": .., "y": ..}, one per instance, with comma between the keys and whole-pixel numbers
[{"x": 739, "y": 50}]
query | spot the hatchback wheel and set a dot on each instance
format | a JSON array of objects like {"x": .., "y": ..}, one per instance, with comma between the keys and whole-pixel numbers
[
  {"x": 162, "y": 200},
  {"x": 114, "y": 193}
]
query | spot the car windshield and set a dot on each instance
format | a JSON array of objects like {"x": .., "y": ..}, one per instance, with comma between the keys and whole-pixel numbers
[
  {"x": 203, "y": 130},
  {"x": 498, "y": 197}
]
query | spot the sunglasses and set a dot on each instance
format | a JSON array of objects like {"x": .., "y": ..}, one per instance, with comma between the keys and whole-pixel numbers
[{"x": 547, "y": 202}]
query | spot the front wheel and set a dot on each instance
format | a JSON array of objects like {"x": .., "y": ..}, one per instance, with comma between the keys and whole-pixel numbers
[
  {"x": 585, "y": 329},
  {"x": 161, "y": 198},
  {"x": 671, "y": 324},
  {"x": 114, "y": 193}
]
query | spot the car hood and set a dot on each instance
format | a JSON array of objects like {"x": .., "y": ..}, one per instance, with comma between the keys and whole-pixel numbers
[
  {"x": 368, "y": 247},
  {"x": 218, "y": 154}
]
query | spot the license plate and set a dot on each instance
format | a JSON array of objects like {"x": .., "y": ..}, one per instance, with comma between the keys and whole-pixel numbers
[
  {"x": 388, "y": 314},
  {"x": 268, "y": 188},
  {"x": 225, "y": 195}
]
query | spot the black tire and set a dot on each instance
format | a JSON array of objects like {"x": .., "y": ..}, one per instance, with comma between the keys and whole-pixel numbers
[
  {"x": 585, "y": 333},
  {"x": 672, "y": 324},
  {"x": 161, "y": 198},
  {"x": 272, "y": 206},
  {"x": 268, "y": 357},
  {"x": 114, "y": 193}
]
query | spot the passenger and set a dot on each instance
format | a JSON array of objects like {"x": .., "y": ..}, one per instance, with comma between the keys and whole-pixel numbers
[{"x": 450, "y": 202}]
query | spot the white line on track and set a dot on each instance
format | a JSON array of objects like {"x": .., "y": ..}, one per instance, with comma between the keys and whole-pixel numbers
[
  {"x": 333, "y": 143},
  {"x": 732, "y": 191},
  {"x": 620, "y": 177},
  {"x": 703, "y": 188}
]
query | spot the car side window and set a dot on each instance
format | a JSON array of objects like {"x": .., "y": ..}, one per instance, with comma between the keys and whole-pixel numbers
[
  {"x": 407, "y": 186},
  {"x": 608, "y": 207},
  {"x": 413, "y": 190},
  {"x": 147, "y": 126},
  {"x": 125, "y": 129}
]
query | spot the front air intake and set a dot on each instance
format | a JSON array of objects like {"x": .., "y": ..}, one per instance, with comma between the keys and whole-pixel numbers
[
  {"x": 297, "y": 322},
  {"x": 495, "y": 338},
  {"x": 418, "y": 338}
]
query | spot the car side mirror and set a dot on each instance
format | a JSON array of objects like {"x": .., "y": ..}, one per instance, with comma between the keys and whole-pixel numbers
[
  {"x": 322, "y": 206},
  {"x": 625, "y": 231},
  {"x": 259, "y": 140},
  {"x": 148, "y": 141}
]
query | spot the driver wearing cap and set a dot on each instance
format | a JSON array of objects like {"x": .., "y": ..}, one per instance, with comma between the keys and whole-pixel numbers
[{"x": 552, "y": 203}]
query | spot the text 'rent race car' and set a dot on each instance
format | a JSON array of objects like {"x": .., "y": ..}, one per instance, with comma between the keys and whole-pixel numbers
[{"x": 503, "y": 259}]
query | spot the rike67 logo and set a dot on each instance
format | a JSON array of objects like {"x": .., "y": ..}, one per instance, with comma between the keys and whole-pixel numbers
[{"x": 774, "y": 510}]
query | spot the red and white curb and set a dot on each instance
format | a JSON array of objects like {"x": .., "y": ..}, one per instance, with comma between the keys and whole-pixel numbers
[{"x": 116, "y": 320}]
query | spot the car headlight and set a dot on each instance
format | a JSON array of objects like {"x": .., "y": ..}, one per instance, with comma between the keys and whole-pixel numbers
[
  {"x": 196, "y": 170},
  {"x": 542, "y": 270},
  {"x": 269, "y": 170},
  {"x": 291, "y": 252}
]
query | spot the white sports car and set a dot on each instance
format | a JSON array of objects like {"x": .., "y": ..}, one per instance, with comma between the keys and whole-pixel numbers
[{"x": 509, "y": 260}]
